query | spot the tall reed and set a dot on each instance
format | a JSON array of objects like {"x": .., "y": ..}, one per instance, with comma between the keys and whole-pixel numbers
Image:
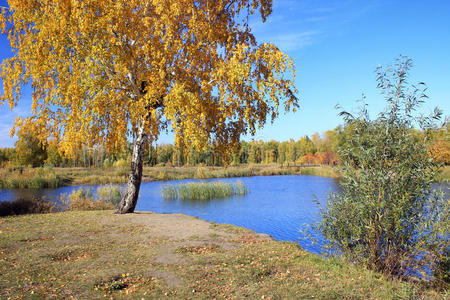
[
  {"x": 203, "y": 190},
  {"x": 107, "y": 197}
]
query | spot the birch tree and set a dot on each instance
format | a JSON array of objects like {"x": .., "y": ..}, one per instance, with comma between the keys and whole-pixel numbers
[{"x": 104, "y": 72}]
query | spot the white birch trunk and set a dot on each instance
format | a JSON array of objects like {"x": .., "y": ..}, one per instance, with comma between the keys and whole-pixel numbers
[{"x": 129, "y": 200}]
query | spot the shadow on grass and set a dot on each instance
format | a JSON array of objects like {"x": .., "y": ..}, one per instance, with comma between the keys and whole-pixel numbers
[{"x": 26, "y": 206}]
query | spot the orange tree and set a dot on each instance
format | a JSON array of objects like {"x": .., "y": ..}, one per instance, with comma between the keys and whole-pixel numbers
[
  {"x": 103, "y": 72},
  {"x": 440, "y": 149}
]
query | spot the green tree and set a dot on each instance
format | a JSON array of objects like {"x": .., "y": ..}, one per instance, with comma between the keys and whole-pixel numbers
[
  {"x": 388, "y": 217},
  {"x": 164, "y": 153},
  {"x": 53, "y": 156},
  {"x": 243, "y": 152},
  {"x": 253, "y": 153},
  {"x": 291, "y": 152},
  {"x": 178, "y": 156},
  {"x": 329, "y": 141},
  {"x": 152, "y": 157},
  {"x": 6, "y": 155},
  {"x": 282, "y": 149},
  {"x": 29, "y": 150},
  {"x": 304, "y": 146},
  {"x": 270, "y": 152},
  {"x": 316, "y": 141}
]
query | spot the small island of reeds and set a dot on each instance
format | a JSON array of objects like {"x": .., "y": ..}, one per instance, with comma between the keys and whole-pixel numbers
[{"x": 203, "y": 190}]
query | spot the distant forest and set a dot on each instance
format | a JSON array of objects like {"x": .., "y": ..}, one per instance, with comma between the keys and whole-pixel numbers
[{"x": 321, "y": 149}]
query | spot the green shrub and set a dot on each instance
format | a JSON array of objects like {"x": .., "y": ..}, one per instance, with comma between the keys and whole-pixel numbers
[
  {"x": 388, "y": 217},
  {"x": 107, "y": 163},
  {"x": 121, "y": 163}
]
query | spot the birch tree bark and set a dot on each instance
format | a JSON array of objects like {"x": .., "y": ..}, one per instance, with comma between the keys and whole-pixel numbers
[{"x": 129, "y": 200}]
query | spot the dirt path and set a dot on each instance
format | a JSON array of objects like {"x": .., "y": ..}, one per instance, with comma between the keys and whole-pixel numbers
[{"x": 188, "y": 234}]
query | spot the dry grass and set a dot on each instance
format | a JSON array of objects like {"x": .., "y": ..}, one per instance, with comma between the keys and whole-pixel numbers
[
  {"x": 108, "y": 197},
  {"x": 55, "y": 177},
  {"x": 444, "y": 176},
  {"x": 37, "y": 178},
  {"x": 92, "y": 255},
  {"x": 80, "y": 176}
]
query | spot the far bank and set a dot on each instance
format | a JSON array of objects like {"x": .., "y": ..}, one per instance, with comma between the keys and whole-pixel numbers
[{"x": 49, "y": 177}]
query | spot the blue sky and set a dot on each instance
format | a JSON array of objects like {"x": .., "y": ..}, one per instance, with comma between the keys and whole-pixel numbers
[{"x": 336, "y": 46}]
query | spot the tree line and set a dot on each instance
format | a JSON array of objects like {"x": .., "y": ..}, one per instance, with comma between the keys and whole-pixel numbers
[{"x": 317, "y": 149}]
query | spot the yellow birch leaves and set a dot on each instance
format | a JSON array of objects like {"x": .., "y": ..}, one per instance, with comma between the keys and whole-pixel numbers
[{"x": 98, "y": 67}]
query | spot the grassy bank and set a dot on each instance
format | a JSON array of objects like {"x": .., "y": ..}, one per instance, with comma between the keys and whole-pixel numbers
[
  {"x": 54, "y": 177},
  {"x": 35, "y": 178},
  {"x": 97, "y": 254},
  {"x": 120, "y": 175}
]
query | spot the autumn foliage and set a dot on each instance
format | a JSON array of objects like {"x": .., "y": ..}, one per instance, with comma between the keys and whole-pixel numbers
[
  {"x": 440, "y": 151},
  {"x": 103, "y": 72},
  {"x": 440, "y": 148},
  {"x": 101, "y": 69}
]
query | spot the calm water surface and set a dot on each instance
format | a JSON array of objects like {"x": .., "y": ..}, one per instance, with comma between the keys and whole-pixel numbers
[{"x": 275, "y": 205}]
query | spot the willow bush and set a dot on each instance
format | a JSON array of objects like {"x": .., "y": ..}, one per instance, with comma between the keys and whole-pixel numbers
[{"x": 388, "y": 217}]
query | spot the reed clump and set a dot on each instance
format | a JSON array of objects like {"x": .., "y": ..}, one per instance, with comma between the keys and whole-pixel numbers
[
  {"x": 110, "y": 193},
  {"x": 203, "y": 190},
  {"x": 107, "y": 197}
]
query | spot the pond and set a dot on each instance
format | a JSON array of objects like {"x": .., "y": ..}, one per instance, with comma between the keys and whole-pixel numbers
[{"x": 275, "y": 205}]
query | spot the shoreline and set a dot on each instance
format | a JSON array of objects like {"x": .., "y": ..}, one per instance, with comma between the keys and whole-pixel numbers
[
  {"x": 99, "y": 254},
  {"x": 48, "y": 177}
]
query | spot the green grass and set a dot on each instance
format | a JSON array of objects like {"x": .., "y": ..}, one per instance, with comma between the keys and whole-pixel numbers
[
  {"x": 97, "y": 254},
  {"x": 203, "y": 190}
]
